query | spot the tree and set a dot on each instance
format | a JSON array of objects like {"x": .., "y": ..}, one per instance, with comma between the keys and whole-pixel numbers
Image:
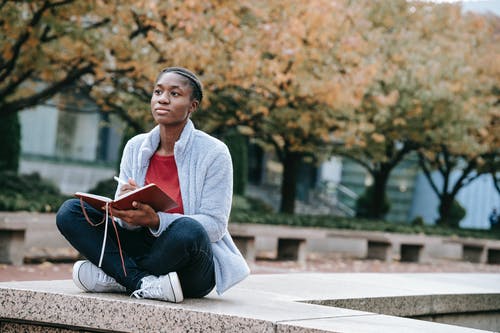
[
  {"x": 384, "y": 127},
  {"x": 202, "y": 36},
  {"x": 268, "y": 67},
  {"x": 493, "y": 160},
  {"x": 45, "y": 47},
  {"x": 111, "y": 50},
  {"x": 413, "y": 100},
  {"x": 297, "y": 76},
  {"x": 466, "y": 142}
]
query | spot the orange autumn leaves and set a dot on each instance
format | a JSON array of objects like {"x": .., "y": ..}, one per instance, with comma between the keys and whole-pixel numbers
[{"x": 309, "y": 72}]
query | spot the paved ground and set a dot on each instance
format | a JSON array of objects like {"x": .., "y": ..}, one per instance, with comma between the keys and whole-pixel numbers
[{"x": 315, "y": 263}]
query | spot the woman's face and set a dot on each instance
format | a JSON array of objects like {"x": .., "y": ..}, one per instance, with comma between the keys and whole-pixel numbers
[{"x": 171, "y": 103}]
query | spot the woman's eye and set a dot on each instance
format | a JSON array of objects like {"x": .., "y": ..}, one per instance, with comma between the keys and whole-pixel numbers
[
  {"x": 174, "y": 93},
  {"x": 157, "y": 92}
]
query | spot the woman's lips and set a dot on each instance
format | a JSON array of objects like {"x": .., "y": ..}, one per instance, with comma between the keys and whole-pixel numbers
[{"x": 162, "y": 111}]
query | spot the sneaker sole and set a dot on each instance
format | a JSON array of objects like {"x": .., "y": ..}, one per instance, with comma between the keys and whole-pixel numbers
[
  {"x": 175, "y": 283},
  {"x": 76, "y": 277}
]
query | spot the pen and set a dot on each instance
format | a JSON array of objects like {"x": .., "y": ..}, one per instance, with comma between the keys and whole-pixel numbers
[{"x": 120, "y": 181}]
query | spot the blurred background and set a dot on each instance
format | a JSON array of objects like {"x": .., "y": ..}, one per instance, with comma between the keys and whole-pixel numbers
[{"x": 386, "y": 110}]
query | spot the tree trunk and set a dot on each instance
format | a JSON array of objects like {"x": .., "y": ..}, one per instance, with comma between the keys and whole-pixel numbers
[
  {"x": 10, "y": 137},
  {"x": 444, "y": 209},
  {"x": 291, "y": 163},
  {"x": 378, "y": 206}
]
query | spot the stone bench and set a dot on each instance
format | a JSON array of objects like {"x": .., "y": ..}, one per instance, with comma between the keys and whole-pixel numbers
[
  {"x": 493, "y": 252},
  {"x": 493, "y": 255},
  {"x": 473, "y": 250},
  {"x": 277, "y": 303},
  {"x": 291, "y": 241},
  {"x": 380, "y": 245},
  {"x": 411, "y": 252},
  {"x": 12, "y": 246},
  {"x": 246, "y": 245},
  {"x": 379, "y": 248}
]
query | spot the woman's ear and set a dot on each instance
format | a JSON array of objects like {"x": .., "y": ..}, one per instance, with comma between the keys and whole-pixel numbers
[{"x": 194, "y": 106}]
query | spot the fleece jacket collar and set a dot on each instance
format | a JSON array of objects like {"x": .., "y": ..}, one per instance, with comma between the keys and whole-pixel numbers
[{"x": 150, "y": 145}]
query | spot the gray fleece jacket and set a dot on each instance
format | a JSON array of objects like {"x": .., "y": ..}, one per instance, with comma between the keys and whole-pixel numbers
[{"x": 206, "y": 180}]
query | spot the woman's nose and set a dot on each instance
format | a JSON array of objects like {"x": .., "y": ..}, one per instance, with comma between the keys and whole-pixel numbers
[{"x": 164, "y": 98}]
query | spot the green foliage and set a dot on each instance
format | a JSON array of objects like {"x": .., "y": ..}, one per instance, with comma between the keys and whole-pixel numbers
[
  {"x": 364, "y": 207},
  {"x": 10, "y": 137},
  {"x": 243, "y": 205},
  {"x": 105, "y": 188},
  {"x": 28, "y": 193},
  {"x": 337, "y": 222},
  {"x": 418, "y": 221},
  {"x": 455, "y": 215}
]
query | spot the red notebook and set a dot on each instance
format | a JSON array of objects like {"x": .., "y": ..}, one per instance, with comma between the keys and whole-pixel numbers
[{"x": 150, "y": 194}]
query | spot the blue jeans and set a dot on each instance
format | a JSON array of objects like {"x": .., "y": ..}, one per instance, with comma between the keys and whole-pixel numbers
[{"x": 184, "y": 247}]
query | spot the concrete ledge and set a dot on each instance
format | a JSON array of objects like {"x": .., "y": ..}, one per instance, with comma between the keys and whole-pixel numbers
[
  {"x": 12, "y": 233},
  {"x": 262, "y": 303}
]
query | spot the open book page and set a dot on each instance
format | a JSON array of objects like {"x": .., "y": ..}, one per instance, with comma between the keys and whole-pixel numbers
[
  {"x": 127, "y": 194},
  {"x": 100, "y": 198},
  {"x": 150, "y": 194},
  {"x": 96, "y": 201}
]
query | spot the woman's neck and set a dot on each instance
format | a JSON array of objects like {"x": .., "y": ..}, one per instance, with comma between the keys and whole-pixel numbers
[{"x": 168, "y": 137}]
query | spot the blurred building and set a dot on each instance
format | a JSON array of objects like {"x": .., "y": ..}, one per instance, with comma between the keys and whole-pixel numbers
[{"x": 70, "y": 142}]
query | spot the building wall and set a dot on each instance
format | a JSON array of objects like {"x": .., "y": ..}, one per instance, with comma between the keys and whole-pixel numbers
[
  {"x": 74, "y": 145},
  {"x": 39, "y": 130},
  {"x": 69, "y": 177},
  {"x": 478, "y": 199},
  {"x": 400, "y": 188}
]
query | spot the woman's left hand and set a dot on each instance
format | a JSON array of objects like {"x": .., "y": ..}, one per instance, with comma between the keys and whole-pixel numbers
[{"x": 143, "y": 215}]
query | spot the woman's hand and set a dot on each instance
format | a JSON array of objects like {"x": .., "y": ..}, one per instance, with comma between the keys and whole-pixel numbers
[
  {"x": 131, "y": 186},
  {"x": 143, "y": 215}
]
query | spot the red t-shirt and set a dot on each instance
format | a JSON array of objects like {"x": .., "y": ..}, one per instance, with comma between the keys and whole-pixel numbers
[{"x": 163, "y": 172}]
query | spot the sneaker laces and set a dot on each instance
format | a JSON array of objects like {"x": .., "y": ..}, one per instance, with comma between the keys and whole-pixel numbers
[
  {"x": 149, "y": 289},
  {"x": 104, "y": 278}
]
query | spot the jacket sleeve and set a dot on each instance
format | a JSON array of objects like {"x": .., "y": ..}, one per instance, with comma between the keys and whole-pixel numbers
[{"x": 126, "y": 165}]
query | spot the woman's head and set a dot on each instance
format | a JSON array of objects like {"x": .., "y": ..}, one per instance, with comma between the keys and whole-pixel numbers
[
  {"x": 176, "y": 95},
  {"x": 191, "y": 79}
]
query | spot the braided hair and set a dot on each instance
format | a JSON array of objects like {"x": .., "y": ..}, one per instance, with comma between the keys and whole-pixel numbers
[{"x": 193, "y": 80}]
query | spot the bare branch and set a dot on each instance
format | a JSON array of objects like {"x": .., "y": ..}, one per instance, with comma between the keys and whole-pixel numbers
[
  {"x": 13, "y": 84},
  {"x": 427, "y": 173},
  {"x": 41, "y": 96},
  {"x": 496, "y": 181}
]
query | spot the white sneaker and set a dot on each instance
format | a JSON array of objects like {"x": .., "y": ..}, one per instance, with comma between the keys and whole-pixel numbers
[
  {"x": 165, "y": 288},
  {"x": 89, "y": 277}
]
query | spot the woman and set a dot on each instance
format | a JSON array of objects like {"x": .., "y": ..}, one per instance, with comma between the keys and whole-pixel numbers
[{"x": 184, "y": 252}]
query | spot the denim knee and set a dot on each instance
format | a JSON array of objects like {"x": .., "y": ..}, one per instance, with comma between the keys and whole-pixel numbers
[
  {"x": 189, "y": 230},
  {"x": 66, "y": 213}
]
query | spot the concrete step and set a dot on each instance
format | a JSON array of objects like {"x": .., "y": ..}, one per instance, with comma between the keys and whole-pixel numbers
[{"x": 307, "y": 302}]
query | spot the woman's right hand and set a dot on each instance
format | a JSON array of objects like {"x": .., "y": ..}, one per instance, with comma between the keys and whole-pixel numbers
[{"x": 132, "y": 185}]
